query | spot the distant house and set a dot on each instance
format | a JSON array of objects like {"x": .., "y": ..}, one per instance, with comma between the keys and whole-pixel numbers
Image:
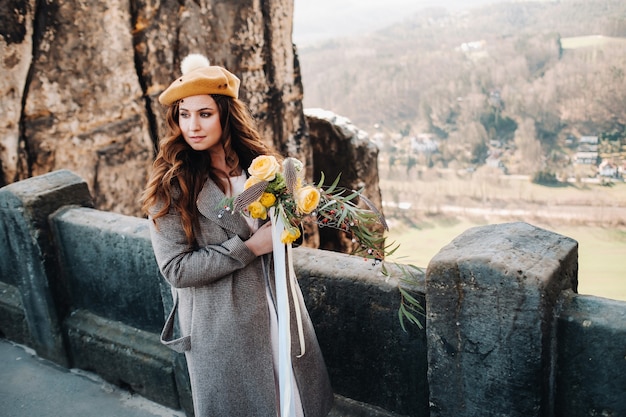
[
  {"x": 587, "y": 151},
  {"x": 424, "y": 143},
  {"x": 495, "y": 162},
  {"x": 587, "y": 148},
  {"x": 590, "y": 140},
  {"x": 586, "y": 158},
  {"x": 608, "y": 170}
]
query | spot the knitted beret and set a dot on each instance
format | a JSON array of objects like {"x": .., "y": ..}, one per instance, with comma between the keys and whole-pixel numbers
[{"x": 200, "y": 77}]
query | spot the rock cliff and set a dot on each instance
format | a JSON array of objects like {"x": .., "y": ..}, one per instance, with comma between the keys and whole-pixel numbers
[
  {"x": 84, "y": 77},
  {"x": 82, "y": 80},
  {"x": 340, "y": 148}
]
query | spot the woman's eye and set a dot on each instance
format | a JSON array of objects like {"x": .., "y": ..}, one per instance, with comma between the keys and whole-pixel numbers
[
  {"x": 205, "y": 114},
  {"x": 184, "y": 115}
]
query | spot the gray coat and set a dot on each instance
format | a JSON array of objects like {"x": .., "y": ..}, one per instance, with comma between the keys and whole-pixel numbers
[{"x": 220, "y": 298}]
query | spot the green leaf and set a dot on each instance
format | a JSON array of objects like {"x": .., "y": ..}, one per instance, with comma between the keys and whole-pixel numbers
[
  {"x": 334, "y": 184},
  {"x": 409, "y": 297},
  {"x": 322, "y": 178},
  {"x": 401, "y": 317}
]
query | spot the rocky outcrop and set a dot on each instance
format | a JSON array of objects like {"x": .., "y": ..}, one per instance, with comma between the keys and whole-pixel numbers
[
  {"x": 339, "y": 148},
  {"x": 16, "y": 37},
  {"x": 83, "y": 78}
]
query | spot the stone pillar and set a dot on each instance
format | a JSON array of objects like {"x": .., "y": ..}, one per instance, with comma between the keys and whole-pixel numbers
[
  {"x": 28, "y": 262},
  {"x": 491, "y": 296}
]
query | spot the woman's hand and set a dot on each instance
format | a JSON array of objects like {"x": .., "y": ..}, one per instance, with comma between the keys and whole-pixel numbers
[{"x": 261, "y": 241}]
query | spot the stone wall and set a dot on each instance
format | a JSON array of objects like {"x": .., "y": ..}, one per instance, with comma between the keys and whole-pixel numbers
[{"x": 505, "y": 332}]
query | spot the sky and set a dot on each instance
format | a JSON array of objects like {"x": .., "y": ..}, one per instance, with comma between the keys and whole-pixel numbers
[{"x": 316, "y": 20}]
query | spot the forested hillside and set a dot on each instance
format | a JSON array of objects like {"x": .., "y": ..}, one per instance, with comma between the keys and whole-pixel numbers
[{"x": 518, "y": 81}]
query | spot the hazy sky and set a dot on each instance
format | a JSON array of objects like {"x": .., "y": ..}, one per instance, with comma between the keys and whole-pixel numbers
[{"x": 322, "y": 19}]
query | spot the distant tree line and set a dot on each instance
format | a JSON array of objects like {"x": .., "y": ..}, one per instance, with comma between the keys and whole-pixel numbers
[{"x": 496, "y": 80}]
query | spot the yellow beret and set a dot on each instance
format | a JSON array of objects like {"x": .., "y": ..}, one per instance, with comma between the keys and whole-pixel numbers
[{"x": 199, "y": 77}]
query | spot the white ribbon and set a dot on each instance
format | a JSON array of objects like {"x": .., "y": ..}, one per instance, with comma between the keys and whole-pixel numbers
[{"x": 285, "y": 369}]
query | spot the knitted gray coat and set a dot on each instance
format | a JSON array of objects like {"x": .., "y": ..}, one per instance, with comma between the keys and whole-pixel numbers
[{"x": 220, "y": 300}]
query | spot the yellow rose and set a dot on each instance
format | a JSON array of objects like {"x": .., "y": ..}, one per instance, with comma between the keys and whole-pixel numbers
[
  {"x": 307, "y": 199},
  {"x": 257, "y": 211},
  {"x": 251, "y": 181},
  {"x": 267, "y": 199},
  {"x": 264, "y": 167},
  {"x": 290, "y": 235}
]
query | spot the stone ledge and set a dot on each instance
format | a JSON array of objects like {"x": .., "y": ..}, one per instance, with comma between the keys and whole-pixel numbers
[{"x": 122, "y": 355}]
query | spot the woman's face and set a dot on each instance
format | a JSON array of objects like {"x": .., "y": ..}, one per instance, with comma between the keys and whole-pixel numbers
[{"x": 199, "y": 121}]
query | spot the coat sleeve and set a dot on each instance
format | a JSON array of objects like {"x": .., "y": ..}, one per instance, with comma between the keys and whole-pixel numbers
[{"x": 183, "y": 266}]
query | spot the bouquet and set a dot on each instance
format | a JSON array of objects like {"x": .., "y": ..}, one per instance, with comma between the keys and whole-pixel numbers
[{"x": 281, "y": 189}]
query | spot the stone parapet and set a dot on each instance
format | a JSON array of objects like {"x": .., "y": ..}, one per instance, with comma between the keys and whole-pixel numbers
[{"x": 505, "y": 332}]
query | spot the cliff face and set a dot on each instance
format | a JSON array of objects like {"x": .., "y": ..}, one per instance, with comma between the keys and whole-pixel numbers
[
  {"x": 82, "y": 80},
  {"x": 83, "y": 77}
]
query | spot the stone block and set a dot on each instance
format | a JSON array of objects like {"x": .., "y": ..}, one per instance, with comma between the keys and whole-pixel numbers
[
  {"x": 354, "y": 310},
  {"x": 108, "y": 267},
  {"x": 28, "y": 260},
  {"x": 591, "y": 365},
  {"x": 490, "y": 306},
  {"x": 122, "y": 355}
]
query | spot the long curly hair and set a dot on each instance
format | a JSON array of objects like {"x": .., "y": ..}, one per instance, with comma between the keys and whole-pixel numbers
[{"x": 179, "y": 172}]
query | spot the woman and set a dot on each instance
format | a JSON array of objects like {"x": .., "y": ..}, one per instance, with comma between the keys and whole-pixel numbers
[{"x": 219, "y": 265}]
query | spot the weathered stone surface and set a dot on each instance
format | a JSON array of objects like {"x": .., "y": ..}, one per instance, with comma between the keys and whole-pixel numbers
[
  {"x": 114, "y": 274},
  {"x": 84, "y": 109},
  {"x": 122, "y": 355},
  {"x": 355, "y": 313},
  {"x": 28, "y": 260},
  {"x": 13, "y": 324},
  {"x": 506, "y": 335},
  {"x": 591, "y": 364},
  {"x": 85, "y": 99},
  {"x": 491, "y": 296},
  {"x": 340, "y": 148},
  {"x": 16, "y": 45}
]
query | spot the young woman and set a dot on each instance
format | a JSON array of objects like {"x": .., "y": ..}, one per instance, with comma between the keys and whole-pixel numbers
[{"x": 219, "y": 265}]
